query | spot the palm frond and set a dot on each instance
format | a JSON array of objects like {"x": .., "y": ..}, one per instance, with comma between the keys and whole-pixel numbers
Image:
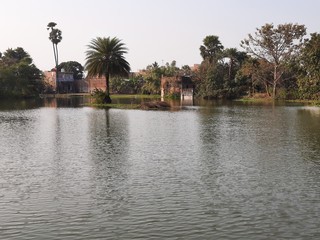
[{"x": 106, "y": 56}]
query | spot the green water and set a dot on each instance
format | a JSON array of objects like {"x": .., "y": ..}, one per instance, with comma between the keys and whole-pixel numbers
[{"x": 215, "y": 170}]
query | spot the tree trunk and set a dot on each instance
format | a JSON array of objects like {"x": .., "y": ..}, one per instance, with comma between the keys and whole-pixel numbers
[
  {"x": 274, "y": 90},
  {"x": 230, "y": 69},
  {"x": 275, "y": 79},
  {"x": 267, "y": 89},
  {"x": 107, "y": 98},
  {"x": 56, "y": 66}
]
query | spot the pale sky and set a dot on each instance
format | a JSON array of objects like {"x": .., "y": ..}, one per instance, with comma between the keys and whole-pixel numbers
[{"x": 153, "y": 30}]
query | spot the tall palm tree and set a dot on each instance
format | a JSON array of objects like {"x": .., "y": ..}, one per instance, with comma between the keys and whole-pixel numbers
[
  {"x": 104, "y": 57},
  {"x": 55, "y": 37},
  {"x": 211, "y": 48}
]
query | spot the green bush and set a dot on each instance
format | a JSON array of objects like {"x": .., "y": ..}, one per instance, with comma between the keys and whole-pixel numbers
[{"x": 99, "y": 96}]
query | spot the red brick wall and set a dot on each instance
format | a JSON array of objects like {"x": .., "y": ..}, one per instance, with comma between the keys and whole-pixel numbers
[{"x": 96, "y": 82}]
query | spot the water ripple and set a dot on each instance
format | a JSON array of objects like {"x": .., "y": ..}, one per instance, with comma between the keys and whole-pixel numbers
[{"x": 228, "y": 172}]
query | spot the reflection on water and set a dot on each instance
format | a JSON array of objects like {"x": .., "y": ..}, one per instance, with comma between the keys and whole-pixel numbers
[
  {"x": 309, "y": 130},
  {"x": 14, "y": 104},
  {"x": 210, "y": 171},
  {"x": 75, "y": 101}
]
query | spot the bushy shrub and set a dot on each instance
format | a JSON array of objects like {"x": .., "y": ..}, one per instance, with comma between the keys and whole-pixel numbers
[{"x": 99, "y": 96}]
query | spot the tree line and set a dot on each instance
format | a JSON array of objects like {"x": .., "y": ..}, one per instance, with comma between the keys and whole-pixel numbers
[
  {"x": 278, "y": 62},
  {"x": 19, "y": 77}
]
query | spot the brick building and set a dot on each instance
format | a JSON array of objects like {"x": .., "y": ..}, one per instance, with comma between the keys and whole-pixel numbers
[
  {"x": 63, "y": 84},
  {"x": 67, "y": 84},
  {"x": 96, "y": 82}
]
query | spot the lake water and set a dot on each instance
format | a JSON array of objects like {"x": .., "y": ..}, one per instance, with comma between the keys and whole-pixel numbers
[{"x": 210, "y": 171}]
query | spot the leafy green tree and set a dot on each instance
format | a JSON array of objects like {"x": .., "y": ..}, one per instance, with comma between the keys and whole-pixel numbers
[
  {"x": 12, "y": 56},
  {"x": 18, "y": 75},
  {"x": 151, "y": 85},
  {"x": 170, "y": 70},
  {"x": 309, "y": 79},
  {"x": 186, "y": 70},
  {"x": 152, "y": 78},
  {"x": 105, "y": 56},
  {"x": 154, "y": 71},
  {"x": 72, "y": 67},
  {"x": 212, "y": 81},
  {"x": 233, "y": 61},
  {"x": 137, "y": 83},
  {"x": 212, "y": 70},
  {"x": 219, "y": 69},
  {"x": 258, "y": 73},
  {"x": 118, "y": 84},
  {"x": 277, "y": 46},
  {"x": 121, "y": 85},
  {"x": 235, "y": 58}
]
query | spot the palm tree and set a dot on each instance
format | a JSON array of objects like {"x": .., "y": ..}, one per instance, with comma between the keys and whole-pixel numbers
[
  {"x": 104, "y": 58},
  {"x": 55, "y": 37},
  {"x": 211, "y": 48}
]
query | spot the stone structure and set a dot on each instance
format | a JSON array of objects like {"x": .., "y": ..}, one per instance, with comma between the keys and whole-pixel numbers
[{"x": 181, "y": 86}]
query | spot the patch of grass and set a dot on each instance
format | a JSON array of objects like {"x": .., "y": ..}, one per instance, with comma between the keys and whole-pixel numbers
[
  {"x": 117, "y": 106},
  {"x": 257, "y": 100},
  {"x": 153, "y": 105},
  {"x": 65, "y": 95},
  {"x": 115, "y": 96},
  {"x": 254, "y": 100},
  {"x": 313, "y": 102}
]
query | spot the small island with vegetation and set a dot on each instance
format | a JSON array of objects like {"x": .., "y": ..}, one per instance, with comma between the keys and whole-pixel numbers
[{"x": 277, "y": 62}]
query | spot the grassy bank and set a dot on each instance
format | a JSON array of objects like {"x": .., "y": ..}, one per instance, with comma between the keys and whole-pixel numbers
[
  {"x": 113, "y": 96},
  {"x": 132, "y": 105},
  {"x": 116, "y": 105},
  {"x": 269, "y": 100},
  {"x": 150, "y": 105},
  {"x": 144, "y": 96},
  {"x": 255, "y": 99}
]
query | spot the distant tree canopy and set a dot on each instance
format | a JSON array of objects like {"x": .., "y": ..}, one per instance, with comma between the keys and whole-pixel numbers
[
  {"x": 153, "y": 73},
  {"x": 211, "y": 48},
  {"x": 148, "y": 80},
  {"x": 309, "y": 78},
  {"x": 277, "y": 62},
  {"x": 218, "y": 70},
  {"x": 18, "y": 75},
  {"x": 132, "y": 85},
  {"x": 72, "y": 67},
  {"x": 277, "y": 46}
]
